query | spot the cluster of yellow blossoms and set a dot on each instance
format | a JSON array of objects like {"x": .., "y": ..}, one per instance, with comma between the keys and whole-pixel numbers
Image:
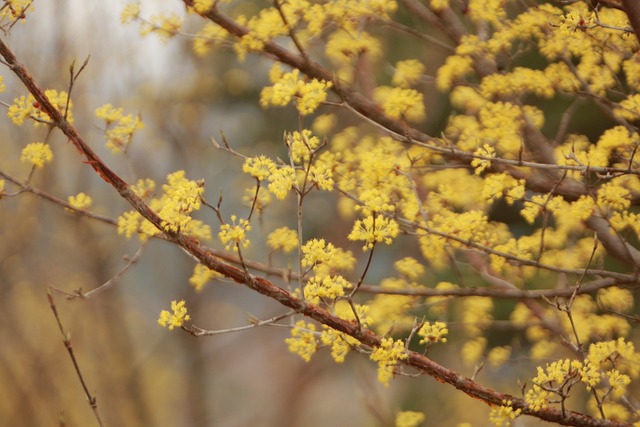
[{"x": 387, "y": 188}]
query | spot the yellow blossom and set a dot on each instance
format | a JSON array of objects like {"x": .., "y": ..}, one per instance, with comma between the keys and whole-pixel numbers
[
  {"x": 498, "y": 356},
  {"x": 130, "y": 12},
  {"x": 302, "y": 145},
  {"x": 616, "y": 299},
  {"x": 165, "y": 26},
  {"x": 284, "y": 239},
  {"x": 453, "y": 70},
  {"x": 80, "y": 201},
  {"x": 25, "y": 107},
  {"x": 537, "y": 397},
  {"x": 202, "y": 6},
  {"x": 119, "y": 128},
  {"x": 340, "y": 343},
  {"x": 473, "y": 350},
  {"x": 400, "y": 103},
  {"x": 180, "y": 198},
  {"x": 303, "y": 340},
  {"x": 260, "y": 167},
  {"x": 210, "y": 35},
  {"x": 201, "y": 275},
  {"x": 289, "y": 86},
  {"x": 281, "y": 181},
  {"x": 324, "y": 123},
  {"x": 322, "y": 177},
  {"x": 388, "y": 354},
  {"x": 481, "y": 163},
  {"x": 17, "y": 9},
  {"x": 409, "y": 419},
  {"x": 37, "y": 153},
  {"x": 325, "y": 288},
  {"x": 234, "y": 235},
  {"x": 407, "y": 73},
  {"x": 433, "y": 332},
  {"x": 175, "y": 319},
  {"x": 501, "y": 416},
  {"x": 409, "y": 267},
  {"x": 374, "y": 229}
]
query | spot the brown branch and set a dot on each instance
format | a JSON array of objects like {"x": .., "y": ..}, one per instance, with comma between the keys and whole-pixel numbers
[
  {"x": 44, "y": 195},
  {"x": 632, "y": 9},
  {"x": 67, "y": 343}
]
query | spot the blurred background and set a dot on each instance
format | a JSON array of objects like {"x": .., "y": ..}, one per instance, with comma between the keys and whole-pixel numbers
[{"x": 142, "y": 374}]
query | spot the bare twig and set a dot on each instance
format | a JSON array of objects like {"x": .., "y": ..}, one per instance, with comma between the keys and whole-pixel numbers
[{"x": 67, "y": 343}]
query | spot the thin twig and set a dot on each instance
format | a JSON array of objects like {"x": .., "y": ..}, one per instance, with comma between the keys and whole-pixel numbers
[{"x": 67, "y": 343}]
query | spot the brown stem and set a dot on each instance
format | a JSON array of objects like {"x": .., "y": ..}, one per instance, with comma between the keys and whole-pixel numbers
[{"x": 632, "y": 9}]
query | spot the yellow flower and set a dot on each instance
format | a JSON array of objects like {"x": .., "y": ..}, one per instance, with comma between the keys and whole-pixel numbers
[
  {"x": 281, "y": 181},
  {"x": 175, "y": 319},
  {"x": 202, "y": 6},
  {"x": 302, "y": 145},
  {"x": 433, "y": 332},
  {"x": 37, "y": 153},
  {"x": 614, "y": 197},
  {"x": 109, "y": 113},
  {"x": 409, "y": 267},
  {"x": 130, "y": 12},
  {"x": 17, "y": 9},
  {"x": 388, "y": 354},
  {"x": 407, "y": 73},
  {"x": 409, "y": 418},
  {"x": 119, "y": 136},
  {"x": 284, "y": 239},
  {"x": 324, "y": 123},
  {"x": 80, "y": 201},
  {"x": 501, "y": 416},
  {"x": 325, "y": 288},
  {"x": 234, "y": 235},
  {"x": 303, "y": 340},
  {"x": 480, "y": 164},
  {"x": 400, "y": 103},
  {"x": 616, "y": 299},
  {"x": 374, "y": 229},
  {"x": 260, "y": 167},
  {"x": 201, "y": 275}
]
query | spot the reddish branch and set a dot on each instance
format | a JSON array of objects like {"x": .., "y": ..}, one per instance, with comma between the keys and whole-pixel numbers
[
  {"x": 632, "y": 9},
  {"x": 267, "y": 288}
]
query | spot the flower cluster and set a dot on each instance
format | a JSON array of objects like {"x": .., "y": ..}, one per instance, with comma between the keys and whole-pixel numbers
[
  {"x": 501, "y": 416},
  {"x": 433, "y": 332},
  {"x": 37, "y": 153},
  {"x": 388, "y": 354},
  {"x": 80, "y": 201},
  {"x": 201, "y": 275},
  {"x": 289, "y": 86},
  {"x": 119, "y": 135},
  {"x": 284, "y": 239},
  {"x": 27, "y": 107},
  {"x": 409, "y": 419},
  {"x": 175, "y": 319},
  {"x": 303, "y": 340},
  {"x": 374, "y": 229},
  {"x": 234, "y": 235},
  {"x": 325, "y": 288},
  {"x": 180, "y": 198}
]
